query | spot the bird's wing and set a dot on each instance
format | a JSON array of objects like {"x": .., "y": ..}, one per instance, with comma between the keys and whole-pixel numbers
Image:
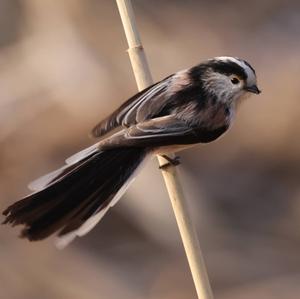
[
  {"x": 131, "y": 110},
  {"x": 144, "y": 105},
  {"x": 161, "y": 131}
]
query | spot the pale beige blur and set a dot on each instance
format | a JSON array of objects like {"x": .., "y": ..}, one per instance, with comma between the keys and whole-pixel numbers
[{"x": 63, "y": 67}]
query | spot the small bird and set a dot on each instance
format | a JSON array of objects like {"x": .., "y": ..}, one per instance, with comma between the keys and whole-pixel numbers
[{"x": 195, "y": 105}]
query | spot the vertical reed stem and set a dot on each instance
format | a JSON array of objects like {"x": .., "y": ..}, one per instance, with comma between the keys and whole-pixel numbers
[{"x": 187, "y": 231}]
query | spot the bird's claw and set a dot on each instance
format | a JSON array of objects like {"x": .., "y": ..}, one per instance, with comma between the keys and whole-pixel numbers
[{"x": 171, "y": 161}]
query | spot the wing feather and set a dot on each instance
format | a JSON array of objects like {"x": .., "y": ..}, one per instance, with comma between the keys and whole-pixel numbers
[
  {"x": 140, "y": 107},
  {"x": 161, "y": 131}
]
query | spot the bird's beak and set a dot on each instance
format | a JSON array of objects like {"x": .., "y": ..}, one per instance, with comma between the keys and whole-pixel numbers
[{"x": 253, "y": 89}]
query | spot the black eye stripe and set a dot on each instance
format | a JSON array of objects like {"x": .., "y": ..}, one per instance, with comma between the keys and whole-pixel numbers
[
  {"x": 222, "y": 66},
  {"x": 228, "y": 68}
]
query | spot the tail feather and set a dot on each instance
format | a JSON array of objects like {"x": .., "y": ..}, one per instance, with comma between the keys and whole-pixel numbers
[
  {"x": 75, "y": 197},
  {"x": 82, "y": 154},
  {"x": 49, "y": 178},
  {"x": 81, "y": 226},
  {"x": 56, "y": 175}
]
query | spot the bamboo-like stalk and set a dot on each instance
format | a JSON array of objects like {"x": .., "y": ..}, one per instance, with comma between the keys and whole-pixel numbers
[{"x": 188, "y": 233}]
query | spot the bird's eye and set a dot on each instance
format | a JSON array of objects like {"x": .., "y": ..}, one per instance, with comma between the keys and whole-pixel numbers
[{"x": 235, "y": 80}]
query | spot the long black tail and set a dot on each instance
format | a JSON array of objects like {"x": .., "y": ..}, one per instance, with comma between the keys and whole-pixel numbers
[{"x": 75, "y": 194}]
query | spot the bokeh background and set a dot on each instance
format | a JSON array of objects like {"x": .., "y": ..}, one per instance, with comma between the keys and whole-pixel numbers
[{"x": 63, "y": 67}]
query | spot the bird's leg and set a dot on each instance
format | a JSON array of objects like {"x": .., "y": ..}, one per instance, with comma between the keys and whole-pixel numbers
[{"x": 171, "y": 161}]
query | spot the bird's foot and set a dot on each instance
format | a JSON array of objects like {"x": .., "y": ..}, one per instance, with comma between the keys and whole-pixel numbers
[{"x": 171, "y": 161}]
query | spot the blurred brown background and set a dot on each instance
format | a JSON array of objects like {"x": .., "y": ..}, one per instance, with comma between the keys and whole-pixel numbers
[{"x": 63, "y": 67}]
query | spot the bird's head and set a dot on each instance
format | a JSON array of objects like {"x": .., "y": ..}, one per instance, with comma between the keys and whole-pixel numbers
[{"x": 229, "y": 79}]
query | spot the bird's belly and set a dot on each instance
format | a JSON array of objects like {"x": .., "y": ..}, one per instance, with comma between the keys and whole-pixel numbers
[{"x": 201, "y": 135}]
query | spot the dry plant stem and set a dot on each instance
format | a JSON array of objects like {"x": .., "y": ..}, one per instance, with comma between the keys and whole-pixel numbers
[{"x": 188, "y": 234}]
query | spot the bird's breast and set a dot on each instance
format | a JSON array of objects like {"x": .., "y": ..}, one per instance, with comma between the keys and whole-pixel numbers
[{"x": 214, "y": 116}]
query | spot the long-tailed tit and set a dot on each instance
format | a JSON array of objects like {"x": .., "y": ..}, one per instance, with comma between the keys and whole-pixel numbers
[{"x": 196, "y": 105}]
